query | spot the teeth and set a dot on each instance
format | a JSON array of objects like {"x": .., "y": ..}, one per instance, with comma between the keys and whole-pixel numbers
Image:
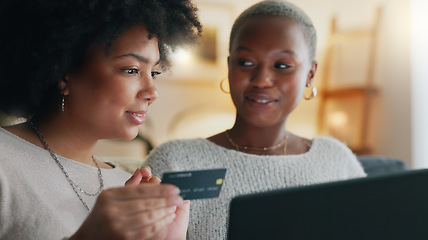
[
  {"x": 262, "y": 101},
  {"x": 137, "y": 114}
]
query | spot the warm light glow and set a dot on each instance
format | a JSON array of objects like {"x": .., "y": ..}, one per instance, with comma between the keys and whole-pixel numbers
[
  {"x": 338, "y": 126},
  {"x": 338, "y": 119},
  {"x": 182, "y": 56}
]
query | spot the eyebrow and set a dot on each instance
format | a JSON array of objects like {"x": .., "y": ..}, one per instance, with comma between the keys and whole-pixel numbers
[
  {"x": 241, "y": 48},
  {"x": 138, "y": 57}
]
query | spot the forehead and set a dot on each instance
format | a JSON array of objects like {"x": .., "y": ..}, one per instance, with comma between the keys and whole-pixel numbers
[
  {"x": 134, "y": 38},
  {"x": 134, "y": 41},
  {"x": 266, "y": 30}
]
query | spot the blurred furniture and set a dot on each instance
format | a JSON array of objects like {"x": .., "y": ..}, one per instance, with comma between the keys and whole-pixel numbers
[
  {"x": 378, "y": 165},
  {"x": 347, "y": 87}
]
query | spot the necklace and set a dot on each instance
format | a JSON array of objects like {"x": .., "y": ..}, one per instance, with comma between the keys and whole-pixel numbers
[
  {"x": 247, "y": 148},
  {"x": 73, "y": 184}
]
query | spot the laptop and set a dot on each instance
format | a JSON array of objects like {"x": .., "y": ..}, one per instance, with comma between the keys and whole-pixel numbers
[{"x": 382, "y": 207}]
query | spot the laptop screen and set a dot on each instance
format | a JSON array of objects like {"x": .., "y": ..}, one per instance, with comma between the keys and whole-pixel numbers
[{"x": 385, "y": 207}]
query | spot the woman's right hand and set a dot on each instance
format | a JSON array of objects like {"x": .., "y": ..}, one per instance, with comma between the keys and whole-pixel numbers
[{"x": 131, "y": 212}]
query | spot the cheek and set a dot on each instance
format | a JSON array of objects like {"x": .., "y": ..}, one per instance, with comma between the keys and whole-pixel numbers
[
  {"x": 119, "y": 93},
  {"x": 237, "y": 80},
  {"x": 237, "y": 85},
  {"x": 293, "y": 90}
]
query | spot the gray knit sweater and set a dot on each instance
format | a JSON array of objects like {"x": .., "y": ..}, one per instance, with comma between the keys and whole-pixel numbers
[
  {"x": 327, "y": 160},
  {"x": 36, "y": 201}
]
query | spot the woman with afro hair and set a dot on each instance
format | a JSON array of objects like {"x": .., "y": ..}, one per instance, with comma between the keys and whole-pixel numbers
[{"x": 79, "y": 71}]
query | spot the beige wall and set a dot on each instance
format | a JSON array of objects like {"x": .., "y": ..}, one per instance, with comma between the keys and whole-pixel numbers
[{"x": 419, "y": 60}]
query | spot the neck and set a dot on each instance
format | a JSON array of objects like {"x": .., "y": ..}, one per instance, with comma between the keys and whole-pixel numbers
[
  {"x": 245, "y": 134},
  {"x": 66, "y": 140}
]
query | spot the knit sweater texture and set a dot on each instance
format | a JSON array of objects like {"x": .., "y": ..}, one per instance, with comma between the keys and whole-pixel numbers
[
  {"x": 36, "y": 200},
  {"x": 327, "y": 160}
]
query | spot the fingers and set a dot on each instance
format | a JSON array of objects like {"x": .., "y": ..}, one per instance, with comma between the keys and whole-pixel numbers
[
  {"x": 140, "y": 175},
  {"x": 184, "y": 208},
  {"x": 140, "y": 191},
  {"x": 146, "y": 172},
  {"x": 153, "y": 229},
  {"x": 146, "y": 218},
  {"x": 135, "y": 178},
  {"x": 155, "y": 180},
  {"x": 182, "y": 214},
  {"x": 137, "y": 206},
  {"x": 140, "y": 210}
]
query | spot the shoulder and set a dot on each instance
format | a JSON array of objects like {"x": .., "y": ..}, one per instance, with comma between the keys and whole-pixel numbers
[
  {"x": 12, "y": 145},
  {"x": 184, "y": 155},
  {"x": 339, "y": 155},
  {"x": 328, "y": 144},
  {"x": 331, "y": 149},
  {"x": 182, "y": 145},
  {"x": 173, "y": 151}
]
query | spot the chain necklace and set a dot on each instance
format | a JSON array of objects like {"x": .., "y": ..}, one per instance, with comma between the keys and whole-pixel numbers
[
  {"x": 247, "y": 148},
  {"x": 73, "y": 184}
]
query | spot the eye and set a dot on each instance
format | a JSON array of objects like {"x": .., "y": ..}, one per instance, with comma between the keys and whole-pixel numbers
[
  {"x": 155, "y": 73},
  {"x": 131, "y": 71},
  {"x": 281, "y": 66},
  {"x": 245, "y": 63}
]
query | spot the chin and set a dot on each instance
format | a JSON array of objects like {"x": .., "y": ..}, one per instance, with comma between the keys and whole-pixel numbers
[
  {"x": 129, "y": 134},
  {"x": 264, "y": 121}
]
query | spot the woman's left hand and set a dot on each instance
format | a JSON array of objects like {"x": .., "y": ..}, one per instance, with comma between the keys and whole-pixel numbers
[
  {"x": 142, "y": 175},
  {"x": 178, "y": 228}
]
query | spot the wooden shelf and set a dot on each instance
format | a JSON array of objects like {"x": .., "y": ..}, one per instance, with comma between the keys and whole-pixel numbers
[
  {"x": 362, "y": 151},
  {"x": 349, "y": 92},
  {"x": 363, "y": 93}
]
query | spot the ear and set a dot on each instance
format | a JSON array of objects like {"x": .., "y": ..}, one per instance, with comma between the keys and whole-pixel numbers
[
  {"x": 63, "y": 85},
  {"x": 311, "y": 73}
]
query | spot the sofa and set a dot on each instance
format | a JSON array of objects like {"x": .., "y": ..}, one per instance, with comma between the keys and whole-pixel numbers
[{"x": 379, "y": 165}]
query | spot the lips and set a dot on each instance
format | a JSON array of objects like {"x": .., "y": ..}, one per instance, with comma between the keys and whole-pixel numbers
[
  {"x": 260, "y": 98},
  {"x": 137, "y": 117}
]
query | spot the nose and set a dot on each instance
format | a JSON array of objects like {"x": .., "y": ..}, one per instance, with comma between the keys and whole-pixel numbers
[
  {"x": 262, "y": 78},
  {"x": 148, "y": 91}
]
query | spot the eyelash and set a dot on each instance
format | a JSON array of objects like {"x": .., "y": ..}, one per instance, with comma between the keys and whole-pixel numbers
[
  {"x": 281, "y": 64},
  {"x": 155, "y": 73},
  {"x": 131, "y": 71},
  {"x": 245, "y": 63},
  {"x": 134, "y": 71}
]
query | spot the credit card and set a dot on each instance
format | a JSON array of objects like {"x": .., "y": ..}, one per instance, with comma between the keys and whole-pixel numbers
[{"x": 197, "y": 184}]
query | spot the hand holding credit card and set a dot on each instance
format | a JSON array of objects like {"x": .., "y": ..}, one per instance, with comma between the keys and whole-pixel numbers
[{"x": 197, "y": 184}]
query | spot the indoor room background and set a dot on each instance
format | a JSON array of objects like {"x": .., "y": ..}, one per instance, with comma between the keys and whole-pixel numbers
[
  {"x": 371, "y": 81},
  {"x": 364, "y": 80}
]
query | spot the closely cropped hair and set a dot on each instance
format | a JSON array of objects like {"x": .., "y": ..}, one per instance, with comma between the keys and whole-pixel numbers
[
  {"x": 44, "y": 40},
  {"x": 283, "y": 9}
]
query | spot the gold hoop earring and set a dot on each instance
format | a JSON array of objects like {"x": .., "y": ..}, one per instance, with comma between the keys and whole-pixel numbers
[
  {"x": 221, "y": 86},
  {"x": 313, "y": 92}
]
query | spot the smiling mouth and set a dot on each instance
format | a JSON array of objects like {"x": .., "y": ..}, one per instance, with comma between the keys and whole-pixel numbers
[
  {"x": 261, "y": 101},
  {"x": 137, "y": 114},
  {"x": 137, "y": 117}
]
